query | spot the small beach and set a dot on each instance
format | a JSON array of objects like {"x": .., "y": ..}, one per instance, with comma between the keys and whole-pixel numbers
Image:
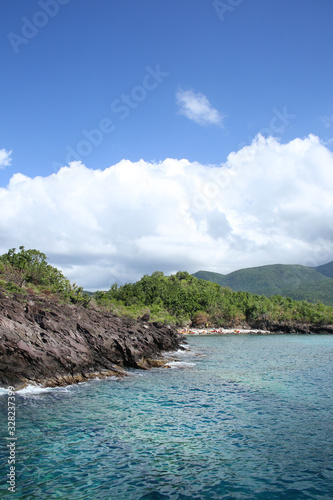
[{"x": 222, "y": 331}]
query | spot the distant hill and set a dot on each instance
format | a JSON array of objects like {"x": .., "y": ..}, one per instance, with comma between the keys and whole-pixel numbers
[
  {"x": 326, "y": 269},
  {"x": 297, "y": 282}
]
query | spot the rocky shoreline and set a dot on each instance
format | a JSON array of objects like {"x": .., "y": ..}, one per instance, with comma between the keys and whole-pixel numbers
[
  {"x": 52, "y": 344},
  {"x": 45, "y": 342}
]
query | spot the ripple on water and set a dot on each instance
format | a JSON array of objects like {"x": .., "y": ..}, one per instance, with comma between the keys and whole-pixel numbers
[{"x": 252, "y": 419}]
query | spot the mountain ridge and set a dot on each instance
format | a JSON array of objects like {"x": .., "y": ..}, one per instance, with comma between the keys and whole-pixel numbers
[
  {"x": 295, "y": 281},
  {"x": 326, "y": 269}
]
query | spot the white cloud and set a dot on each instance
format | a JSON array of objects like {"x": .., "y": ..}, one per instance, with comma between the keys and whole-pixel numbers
[
  {"x": 197, "y": 108},
  {"x": 269, "y": 203},
  {"x": 5, "y": 158}
]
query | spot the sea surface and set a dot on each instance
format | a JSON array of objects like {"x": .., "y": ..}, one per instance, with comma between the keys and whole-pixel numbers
[{"x": 234, "y": 417}]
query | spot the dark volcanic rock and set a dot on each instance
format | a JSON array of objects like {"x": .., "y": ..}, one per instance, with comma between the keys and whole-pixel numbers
[
  {"x": 297, "y": 328},
  {"x": 57, "y": 344}
]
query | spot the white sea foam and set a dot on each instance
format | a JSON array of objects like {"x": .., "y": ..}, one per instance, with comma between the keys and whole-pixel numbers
[
  {"x": 180, "y": 364},
  {"x": 34, "y": 389},
  {"x": 177, "y": 354},
  {"x": 181, "y": 352},
  {"x": 29, "y": 389}
]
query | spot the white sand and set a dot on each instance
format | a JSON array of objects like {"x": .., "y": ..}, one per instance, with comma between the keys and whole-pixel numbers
[{"x": 220, "y": 331}]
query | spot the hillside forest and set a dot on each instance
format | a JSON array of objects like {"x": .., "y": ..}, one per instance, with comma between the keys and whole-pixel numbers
[{"x": 180, "y": 299}]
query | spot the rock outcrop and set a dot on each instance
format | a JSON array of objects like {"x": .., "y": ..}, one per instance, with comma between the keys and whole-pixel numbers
[
  {"x": 45, "y": 342},
  {"x": 293, "y": 327}
]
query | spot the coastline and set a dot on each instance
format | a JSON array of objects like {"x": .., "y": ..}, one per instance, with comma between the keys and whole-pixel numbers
[{"x": 54, "y": 344}]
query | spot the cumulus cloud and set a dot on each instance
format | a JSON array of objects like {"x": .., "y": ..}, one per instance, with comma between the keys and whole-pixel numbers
[
  {"x": 268, "y": 203},
  {"x": 5, "y": 158},
  {"x": 197, "y": 108}
]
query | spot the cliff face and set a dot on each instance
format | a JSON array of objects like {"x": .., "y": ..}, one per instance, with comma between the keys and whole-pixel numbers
[{"x": 45, "y": 342}]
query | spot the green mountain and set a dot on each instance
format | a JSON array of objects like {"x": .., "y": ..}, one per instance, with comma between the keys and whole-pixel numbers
[
  {"x": 326, "y": 269},
  {"x": 297, "y": 282}
]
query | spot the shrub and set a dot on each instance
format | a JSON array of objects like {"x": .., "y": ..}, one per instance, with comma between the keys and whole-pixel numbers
[{"x": 200, "y": 320}]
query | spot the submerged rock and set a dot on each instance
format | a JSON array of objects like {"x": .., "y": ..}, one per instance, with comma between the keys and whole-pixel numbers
[{"x": 49, "y": 343}]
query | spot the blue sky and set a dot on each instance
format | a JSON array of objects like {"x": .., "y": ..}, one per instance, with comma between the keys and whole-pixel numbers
[{"x": 106, "y": 81}]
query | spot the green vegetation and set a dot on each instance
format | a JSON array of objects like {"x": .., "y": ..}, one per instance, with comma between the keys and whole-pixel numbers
[
  {"x": 297, "y": 282},
  {"x": 28, "y": 270},
  {"x": 326, "y": 269},
  {"x": 182, "y": 298},
  {"x": 179, "y": 299}
]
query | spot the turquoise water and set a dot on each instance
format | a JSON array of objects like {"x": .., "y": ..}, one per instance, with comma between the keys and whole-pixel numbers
[{"x": 244, "y": 417}]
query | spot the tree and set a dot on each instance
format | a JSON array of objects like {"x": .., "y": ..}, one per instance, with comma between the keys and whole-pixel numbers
[
  {"x": 26, "y": 266},
  {"x": 30, "y": 266}
]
